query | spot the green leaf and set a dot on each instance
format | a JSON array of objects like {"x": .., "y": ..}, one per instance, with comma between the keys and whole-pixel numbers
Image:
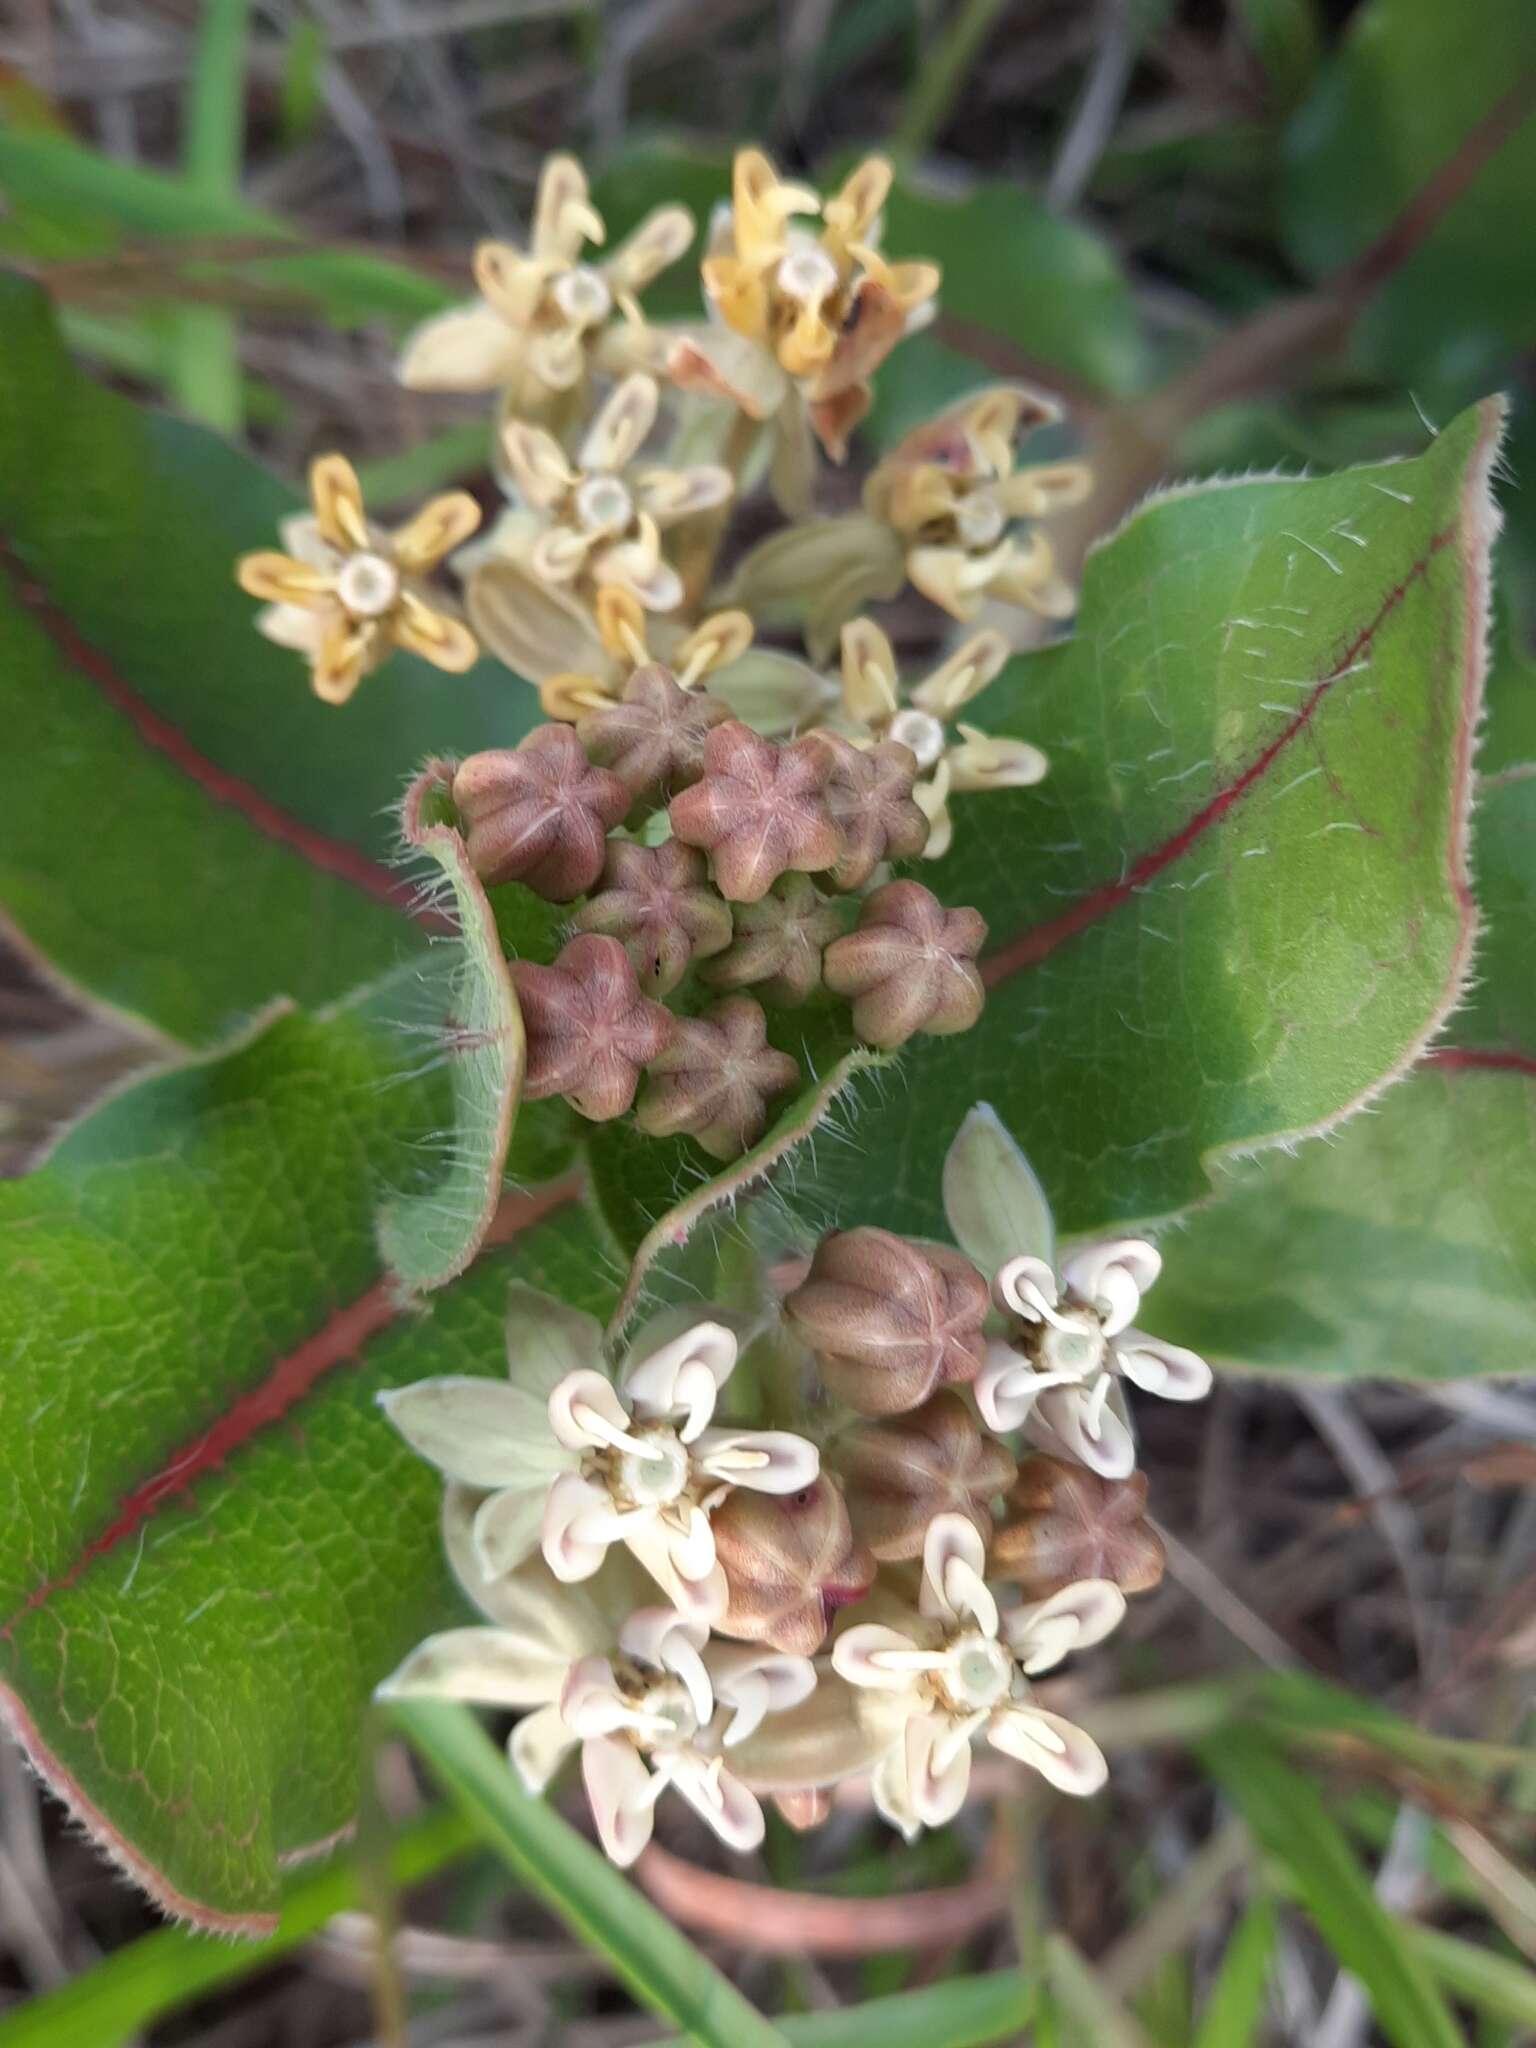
[
  {"x": 1238, "y": 903},
  {"x": 1413, "y": 81},
  {"x": 213, "y": 1544},
  {"x": 112, "y": 2000},
  {"x": 188, "y": 831},
  {"x": 429, "y": 1238},
  {"x": 66, "y": 181},
  {"x": 960, "y": 2012},
  {"x": 1093, "y": 2017},
  {"x": 1476, "y": 1974},
  {"x": 1405, "y": 1248},
  {"x": 659, "y": 1964},
  {"x": 1290, "y": 1820},
  {"x": 1234, "y": 2011},
  {"x": 635, "y": 1178}
]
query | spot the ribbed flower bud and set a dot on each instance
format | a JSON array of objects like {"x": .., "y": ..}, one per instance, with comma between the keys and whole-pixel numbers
[
  {"x": 791, "y": 1562},
  {"x": 715, "y": 1080},
  {"x": 590, "y": 1031},
  {"x": 890, "y": 1321},
  {"x": 1063, "y": 1523},
  {"x": 899, "y": 1474},
  {"x": 658, "y": 903},
  {"x": 653, "y": 740},
  {"x": 909, "y": 967},
  {"x": 759, "y": 810},
  {"x": 779, "y": 942},
  {"x": 873, "y": 807},
  {"x": 539, "y": 813}
]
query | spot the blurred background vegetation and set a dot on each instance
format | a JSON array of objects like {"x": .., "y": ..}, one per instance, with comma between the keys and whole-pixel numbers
[{"x": 1227, "y": 235}]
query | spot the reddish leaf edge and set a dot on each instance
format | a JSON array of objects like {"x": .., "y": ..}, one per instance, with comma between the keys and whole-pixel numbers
[
  {"x": 220, "y": 785},
  {"x": 442, "y": 843},
  {"x": 1472, "y": 532},
  {"x": 339, "y": 1340}
]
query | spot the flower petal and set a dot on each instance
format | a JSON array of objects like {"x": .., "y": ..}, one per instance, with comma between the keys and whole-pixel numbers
[
  {"x": 653, "y": 1544},
  {"x": 719, "y": 1798},
  {"x": 625, "y": 419},
  {"x": 490, "y": 1666},
  {"x": 881, "y": 1658},
  {"x": 585, "y": 1412},
  {"x": 591, "y": 1702},
  {"x": 996, "y": 1207},
  {"x": 722, "y": 364},
  {"x": 1080, "y": 1615},
  {"x": 621, "y": 1794},
  {"x": 539, "y": 1745},
  {"x": 1063, "y": 1755},
  {"x": 1065, "y": 1420},
  {"x": 507, "y": 1527},
  {"x": 938, "y": 1770},
  {"x": 469, "y": 348},
  {"x": 756, "y": 1682},
  {"x": 481, "y": 1431},
  {"x": 766, "y": 1460},
  {"x": 774, "y": 693},
  {"x": 669, "y": 1641},
  {"x": 1113, "y": 1276},
  {"x": 685, "y": 1371},
  {"x": 892, "y": 1794},
  {"x": 441, "y": 525},
  {"x": 1162, "y": 1368},
  {"x": 1022, "y": 1283},
  {"x": 1007, "y": 1388},
  {"x": 580, "y": 1522},
  {"x": 337, "y": 497},
  {"x": 547, "y": 1339},
  {"x": 954, "y": 1564},
  {"x": 536, "y": 630}
]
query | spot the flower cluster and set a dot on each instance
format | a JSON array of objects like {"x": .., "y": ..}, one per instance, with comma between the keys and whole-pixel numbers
[{"x": 739, "y": 1610}]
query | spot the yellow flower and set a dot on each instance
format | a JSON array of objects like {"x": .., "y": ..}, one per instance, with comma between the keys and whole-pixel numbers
[
  {"x": 345, "y": 593},
  {"x": 952, "y": 493},
  {"x": 874, "y": 708},
  {"x": 602, "y": 517},
  {"x": 544, "y": 317},
  {"x": 805, "y": 316}
]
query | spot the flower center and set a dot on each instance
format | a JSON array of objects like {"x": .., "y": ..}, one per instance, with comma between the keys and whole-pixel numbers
[
  {"x": 922, "y": 732},
  {"x": 666, "y": 1701},
  {"x": 1073, "y": 1345},
  {"x": 979, "y": 520},
  {"x": 978, "y": 1673},
  {"x": 603, "y": 505},
  {"x": 807, "y": 274},
  {"x": 367, "y": 585},
  {"x": 657, "y": 1476},
  {"x": 582, "y": 295}
]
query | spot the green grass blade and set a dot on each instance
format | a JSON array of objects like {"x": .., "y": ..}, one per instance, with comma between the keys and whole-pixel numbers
[
  {"x": 165, "y": 1970},
  {"x": 1235, "y": 2009},
  {"x": 659, "y": 1964},
  {"x": 1091, "y": 2017},
  {"x": 1291, "y": 1822},
  {"x": 207, "y": 354},
  {"x": 1477, "y": 1975},
  {"x": 962, "y": 2012}
]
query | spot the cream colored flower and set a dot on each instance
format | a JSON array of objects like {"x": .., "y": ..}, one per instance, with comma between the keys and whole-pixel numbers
[
  {"x": 601, "y": 518},
  {"x": 953, "y": 495},
  {"x": 572, "y": 1463},
  {"x": 1075, "y": 1340},
  {"x": 544, "y": 319},
  {"x": 804, "y": 314},
  {"x": 648, "y": 1698},
  {"x": 926, "y": 719},
  {"x": 963, "y": 1669},
  {"x": 346, "y": 592}
]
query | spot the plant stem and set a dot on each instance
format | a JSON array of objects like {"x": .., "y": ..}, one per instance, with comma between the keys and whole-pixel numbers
[
  {"x": 206, "y": 357},
  {"x": 940, "y": 78}
]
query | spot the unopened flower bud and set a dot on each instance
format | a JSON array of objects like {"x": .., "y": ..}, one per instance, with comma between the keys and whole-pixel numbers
[
  {"x": 779, "y": 942},
  {"x": 899, "y": 1474},
  {"x": 909, "y": 967},
  {"x": 873, "y": 807},
  {"x": 1063, "y": 1523},
  {"x": 890, "y": 1321},
  {"x": 658, "y": 903},
  {"x": 653, "y": 739},
  {"x": 539, "y": 813},
  {"x": 590, "y": 1031},
  {"x": 760, "y": 810},
  {"x": 716, "y": 1079},
  {"x": 805, "y": 1809},
  {"x": 791, "y": 1562}
]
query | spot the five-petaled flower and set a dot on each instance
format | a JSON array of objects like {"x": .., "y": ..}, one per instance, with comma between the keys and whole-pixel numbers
[
  {"x": 963, "y": 1668},
  {"x": 599, "y": 520},
  {"x": 1077, "y": 1339},
  {"x": 575, "y": 1464},
  {"x": 644, "y": 1693},
  {"x": 805, "y": 317},
  {"x": 542, "y": 322},
  {"x": 346, "y": 592},
  {"x": 951, "y": 493}
]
